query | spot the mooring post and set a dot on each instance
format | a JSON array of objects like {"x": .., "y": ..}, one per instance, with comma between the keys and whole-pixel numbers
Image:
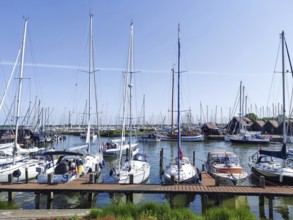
[
  {"x": 50, "y": 178},
  {"x": 10, "y": 197},
  {"x": 90, "y": 198},
  {"x": 50, "y": 197},
  {"x": 131, "y": 179},
  {"x": 172, "y": 198},
  {"x": 37, "y": 200},
  {"x": 203, "y": 167},
  {"x": 261, "y": 206},
  {"x": 161, "y": 160},
  {"x": 262, "y": 181},
  {"x": 26, "y": 175},
  {"x": 172, "y": 180},
  {"x": 82, "y": 202},
  {"x": 217, "y": 181},
  {"x": 193, "y": 158},
  {"x": 92, "y": 178},
  {"x": 10, "y": 178},
  {"x": 271, "y": 213}
]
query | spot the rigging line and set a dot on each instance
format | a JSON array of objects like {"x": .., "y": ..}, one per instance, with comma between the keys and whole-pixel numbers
[
  {"x": 276, "y": 62},
  {"x": 291, "y": 110}
]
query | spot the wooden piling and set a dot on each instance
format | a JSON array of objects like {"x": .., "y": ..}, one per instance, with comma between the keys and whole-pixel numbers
[
  {"x": 10, "y": 197},
  {"x": 271, "y": 213},
  {"x": 50, "y": 178},
  {"x": 261, "y": 206},
  {"x": 161, "y": 160},
  {"x": 131, "y": 179},
  {"x": 217, "y": 181},
  {"x": 203, "y": 167},
  {"x": 50, "y": 197},
  {"x": 92, "y": 178},
  {"x": 172, "y": 180},
  {"x": 193, "y": 158},
  {"x": 26, "y": 175},
  {"x": 262, "y": 181},
  {"x": 37, "y": 201},
  {"x": 10, "y": 178}
]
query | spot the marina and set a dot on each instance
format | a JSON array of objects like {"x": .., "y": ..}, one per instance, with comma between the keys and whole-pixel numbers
[{"x": 153, "y": 190}]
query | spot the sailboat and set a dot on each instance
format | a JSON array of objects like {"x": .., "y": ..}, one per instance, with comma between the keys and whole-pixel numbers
[
  {"x": 186, "y": 134},
  {"x": 135, "y": 165},
  {"x": 77, "y": 161},
  {"x": 275, "y": 166},
  {"x": 180, "y": 166},
  {"x": 19, "y": 166}
]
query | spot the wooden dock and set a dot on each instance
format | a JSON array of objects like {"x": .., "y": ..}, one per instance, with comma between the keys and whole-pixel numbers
[
  {"x": 82, "y": 185},
  {"x": 86, "y": 187}
]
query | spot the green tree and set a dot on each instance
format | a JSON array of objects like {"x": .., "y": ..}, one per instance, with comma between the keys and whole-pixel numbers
[{"x": 253, "y": 117}]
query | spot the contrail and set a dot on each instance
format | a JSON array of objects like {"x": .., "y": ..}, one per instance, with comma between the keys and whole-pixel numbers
[{"x": 85, "y": 68}]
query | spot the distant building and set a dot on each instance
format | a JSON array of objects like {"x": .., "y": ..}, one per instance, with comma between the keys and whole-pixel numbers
[
  {"x": 257, "y": 125},
  {"x": 271, "y": 127},
  {"x": 210, "y": 129},
  {"x": 233, "y": 127}
]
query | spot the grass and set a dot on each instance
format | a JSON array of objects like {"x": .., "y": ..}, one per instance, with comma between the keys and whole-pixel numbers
[
  {"x": 6, "y": 205},
  {"x": 157, "y": 211}
]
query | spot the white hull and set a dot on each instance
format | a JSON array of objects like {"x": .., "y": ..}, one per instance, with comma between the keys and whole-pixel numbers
[
  {"x": 139, "y": 169},
  {"x": 188, "y": 173},
  {"x": 31, "y": 166},
  {"x": 116, "y": 151}
]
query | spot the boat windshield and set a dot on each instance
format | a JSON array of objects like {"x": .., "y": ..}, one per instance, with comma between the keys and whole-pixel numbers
[{"x": 224, "y": 158}]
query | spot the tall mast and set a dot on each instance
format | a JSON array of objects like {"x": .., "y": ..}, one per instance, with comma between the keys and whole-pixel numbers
[
  {"x": 172, "y": 102},
  {"x": 89, "y": 84},
  {"x": 178, "y": 98},
  {"x": 283, "y": 84},
  {"x": 130, "y": 85},
  {"x": 19, "y": 90}
]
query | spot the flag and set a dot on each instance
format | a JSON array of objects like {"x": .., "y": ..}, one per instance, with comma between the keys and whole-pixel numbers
[{"x": 180, "y": 154}]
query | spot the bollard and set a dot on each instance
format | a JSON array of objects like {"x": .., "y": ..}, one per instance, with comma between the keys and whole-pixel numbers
[
  {"x": 26, "y": 175},
  {"x": 161, "y": 160},
  {"x": 172, "y": 180},
  {"x": 92, "y": 178},
  {"x": 131, "y": 179},
  {"x": 50, "y": 178},
  {"x": 10, "y": 178},
  {"x": 203, "y": 167},
  {"x": 217, "y": 181},
  {"x": 262, "y": 181}
]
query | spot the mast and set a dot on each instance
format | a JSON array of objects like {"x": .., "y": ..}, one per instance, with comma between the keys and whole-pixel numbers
[
  {"x": 88, "y": 135},
  {"x": 130, "y": 85},
  {"x": 172, "y": 102},
  {"x": 178, "y": 98},
  {"x": 283, "y": 84},
  {"x": 19, "y": 90}
]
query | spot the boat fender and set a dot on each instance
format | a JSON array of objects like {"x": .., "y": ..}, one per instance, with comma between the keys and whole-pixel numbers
[
  {"x": 111, "y": 172},
  {"x": 100, "y": 165},
  {"x": 129, "y": 169},
  {"x": 90, "y": 170},
  {"x": 103, "y": 163},
  {"x": 162, "y": 172},
  {"x": 16, "y": 173},
  {"x": 65, "y": 178}
]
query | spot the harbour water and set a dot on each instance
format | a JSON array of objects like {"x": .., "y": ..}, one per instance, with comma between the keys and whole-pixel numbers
[{"x": 283, "y": 207}]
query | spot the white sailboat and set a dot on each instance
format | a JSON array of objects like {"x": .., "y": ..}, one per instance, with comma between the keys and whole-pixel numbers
[
  {"x": 18, "y": 167},
  {"x": 275, "y": 166},
  {"x": 180, "y": 167},
  {"x": 76, "y": 162},
  {"x": 135, "y": 165}
]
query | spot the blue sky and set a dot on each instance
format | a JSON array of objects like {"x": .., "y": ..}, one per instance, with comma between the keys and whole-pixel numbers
[{"x": 223, "y": 42}]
